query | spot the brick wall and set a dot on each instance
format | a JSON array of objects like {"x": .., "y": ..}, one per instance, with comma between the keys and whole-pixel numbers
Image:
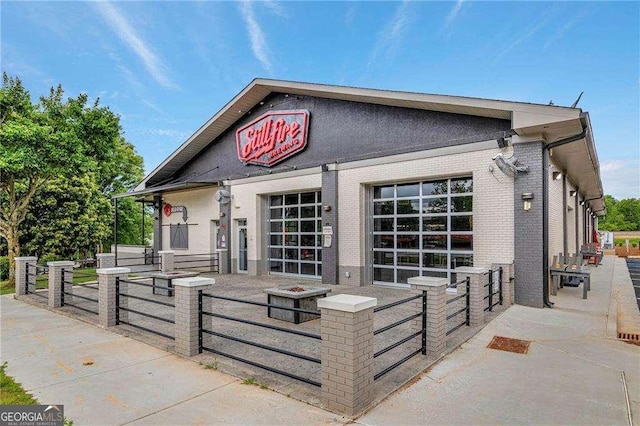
[
  {"x": 555, "y": 213},
  {"x": 528, "y": 227},
  {"x": 246, "y": 205},
  {"x": 493, "y": 202}
]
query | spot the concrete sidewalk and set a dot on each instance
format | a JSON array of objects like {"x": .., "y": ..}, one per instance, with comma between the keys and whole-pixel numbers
[
  {"x": 103, "y": 378},
  {"x": 572, "y": 374}
]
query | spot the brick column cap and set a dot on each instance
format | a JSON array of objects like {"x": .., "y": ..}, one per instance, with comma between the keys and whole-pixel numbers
[
  {"x": 113, "y": 271},
  {"x": 166, "y": 252},
  {"x": 470, "y": 270},
  {"x": 193, "y": 281},
  {"x": 428, "y": 281},
  {"x": 105, "y": 254},
  {"x": 27, "y": 258},
  {"x": 61, "y": 263},
  {"x": 347, "y": 303}
]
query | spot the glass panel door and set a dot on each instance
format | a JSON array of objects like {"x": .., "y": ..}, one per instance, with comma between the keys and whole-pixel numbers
[{"x": 242, "y": 245}]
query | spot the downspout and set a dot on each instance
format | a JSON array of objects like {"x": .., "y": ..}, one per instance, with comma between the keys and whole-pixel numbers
[
  {"x": 545, "y": 212},
  {"x": 115, "y": 229},
  {"x": 577, "y": 219},
  {"x": 565, "y": 231}
]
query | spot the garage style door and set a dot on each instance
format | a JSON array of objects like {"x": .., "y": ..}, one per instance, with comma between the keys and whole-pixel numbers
[
  {"x": 295, "y": 234},
  {"x": 422, "y": 229}
]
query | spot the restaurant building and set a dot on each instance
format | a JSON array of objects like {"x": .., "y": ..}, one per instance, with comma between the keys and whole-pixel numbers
[{"x": 363, "y": 186}]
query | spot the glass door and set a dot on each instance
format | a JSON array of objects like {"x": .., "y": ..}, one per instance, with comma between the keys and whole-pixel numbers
[{"x": 242, "y": 245}]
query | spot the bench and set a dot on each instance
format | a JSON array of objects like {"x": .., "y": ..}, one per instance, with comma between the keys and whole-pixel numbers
[
  {"x": 592, "y": 253},
  {"x": 569, "y": 267}
]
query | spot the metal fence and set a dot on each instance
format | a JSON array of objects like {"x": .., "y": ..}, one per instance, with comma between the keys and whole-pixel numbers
[
  {"x": 203, "y": 262},
  {"x": 406, "y": 339},
  {"x": 142, "y": 302},
  {"x": 494, "y": 289},
  {"x": 253, "y": 343},
  {"x": 454, "y": 302},
  {"x": 91, "y": 303},
  {"x": 40, "y": 281},
  {"x": 142, "y": 263}
]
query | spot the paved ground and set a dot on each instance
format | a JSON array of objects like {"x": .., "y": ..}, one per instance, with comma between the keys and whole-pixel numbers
[{"x": 572, "y": 373}]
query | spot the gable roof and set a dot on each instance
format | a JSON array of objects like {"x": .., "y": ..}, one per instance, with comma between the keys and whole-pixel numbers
[{"x": 526, "y": 118}]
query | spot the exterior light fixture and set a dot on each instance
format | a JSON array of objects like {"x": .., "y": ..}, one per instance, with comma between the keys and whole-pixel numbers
[
  {"x": 326, "y": 208},
  {"x": 557, "y": 175},
  {"x": 527, "y": 197},
  {"x": 572, "y": 193}
]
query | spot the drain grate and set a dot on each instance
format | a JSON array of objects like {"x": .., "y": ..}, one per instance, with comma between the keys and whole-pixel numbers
[{"x": 509, "y": 345}]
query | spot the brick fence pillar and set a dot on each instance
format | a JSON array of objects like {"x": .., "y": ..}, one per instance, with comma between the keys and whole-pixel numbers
[
  {"x": 23, "y": 280},
  {"x": 166, "y": 260},
  {"x": 507, "y": 282},
  {"x": 106, "y": 260},
  {"x": 347, "y": 352},
  {"x": 107, "y": 295},
  {"x": 187, "y": 313},
  {"x": 56, "y": 280},
  {"x": 478, "y": 278},
  {"x": 436, "y": 327}
]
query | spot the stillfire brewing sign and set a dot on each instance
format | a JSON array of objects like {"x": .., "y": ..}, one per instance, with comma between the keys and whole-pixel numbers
[{"x": 272, "y": 137}]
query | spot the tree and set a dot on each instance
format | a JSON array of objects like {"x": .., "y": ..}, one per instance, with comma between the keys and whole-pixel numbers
[
  {"x": 72, "y": 149},
  {"x": 623, "y": 215}
]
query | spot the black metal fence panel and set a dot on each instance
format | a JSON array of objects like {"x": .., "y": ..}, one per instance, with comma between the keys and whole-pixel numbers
[
  {"x": 422, "y": 333},
  {"x": 251, "y": 328}
]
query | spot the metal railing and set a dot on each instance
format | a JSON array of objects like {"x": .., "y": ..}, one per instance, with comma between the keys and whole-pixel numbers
[
  {"x": 423, "y": 332},
  {"x": 466, "y": 308},
  {"x": 120, "y": 308},
  {"x": 67, "y": 279},
  {"x": 39, "y": 274},
  {"x": 202, "y": 330},
  {"x": 142, "y": 260},
  {"x": 206, "y": 261},
  {"x": 494, "y": 289}
]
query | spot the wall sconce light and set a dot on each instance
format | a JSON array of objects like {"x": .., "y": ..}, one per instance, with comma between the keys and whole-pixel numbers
[
  {"x": 326, "y": 208},
  {"x": 572, "y": 193},
  {"x": 157, "y": 205},
  {"x": 556, "y": 175},
  {"x": 582, "y": 203},
  {"x": 527, "y": 197},
  {"x": 222, "y": 214}
]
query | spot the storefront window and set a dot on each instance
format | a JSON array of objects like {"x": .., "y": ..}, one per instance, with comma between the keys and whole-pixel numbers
[
  {"x": 295, "y": 234},
  {"x": 422, "y": 228}
]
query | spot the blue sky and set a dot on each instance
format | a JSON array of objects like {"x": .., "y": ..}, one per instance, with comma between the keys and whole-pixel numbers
[{"x": 167, "y": 67}]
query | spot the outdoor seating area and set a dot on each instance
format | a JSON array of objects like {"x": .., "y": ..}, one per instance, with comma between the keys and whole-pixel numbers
[
  {"x": 236, "y": 330},
  {"x": 569, "y": 271},
  {"x": 592, "y": 252}
]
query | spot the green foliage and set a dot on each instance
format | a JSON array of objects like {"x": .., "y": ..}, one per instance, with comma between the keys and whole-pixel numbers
[
  {"x": 623, "y": 215},
  {"x": 4, "y": 268},
  {"x": 12, "y": 393},
  {"x": 61, "y": 160}
]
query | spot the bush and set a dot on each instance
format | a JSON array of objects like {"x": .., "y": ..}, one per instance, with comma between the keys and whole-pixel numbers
[
  {"x": 4, "y": 268},
  {"x": 48, "y": 258},
  {"x": 634, "y": 245}
]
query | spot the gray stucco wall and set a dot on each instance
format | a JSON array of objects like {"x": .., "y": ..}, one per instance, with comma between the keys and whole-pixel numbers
[
  {"x": 528, "y": 227},
  {"x": 341, "y": 131},
  {"x": 330, "y": 218}
]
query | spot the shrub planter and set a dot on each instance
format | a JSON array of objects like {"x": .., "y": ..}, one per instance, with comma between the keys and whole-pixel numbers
[{"x": 298, "y": 296}]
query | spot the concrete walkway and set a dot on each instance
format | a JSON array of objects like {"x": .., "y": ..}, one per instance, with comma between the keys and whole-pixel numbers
[{"x": 572, "y": 374}]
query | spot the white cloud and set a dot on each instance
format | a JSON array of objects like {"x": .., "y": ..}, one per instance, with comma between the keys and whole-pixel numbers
[
  {"x": 256, "y": 35},
  {"x": 275, "y": 7},
  {"x": 390, "y": 36},
  {"x": 621, "y": 178},
  {"x": 453, "y": 14},
  {"x": 128, "y": 35}
]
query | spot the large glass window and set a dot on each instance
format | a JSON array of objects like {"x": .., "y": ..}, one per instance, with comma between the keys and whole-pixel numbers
[
  {"x": 295, "y": 234},
  {"x": 422, "y": 229}
]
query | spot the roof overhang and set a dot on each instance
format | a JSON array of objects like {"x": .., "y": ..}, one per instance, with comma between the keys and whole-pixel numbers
[
  {"x": 521, "y": 114},
  {"x": 161, "y": 189},
  {"x": 577, "y": 159}
]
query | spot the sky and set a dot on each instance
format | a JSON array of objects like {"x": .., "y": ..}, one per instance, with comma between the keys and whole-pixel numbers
[{"x": 167, "y": 67}]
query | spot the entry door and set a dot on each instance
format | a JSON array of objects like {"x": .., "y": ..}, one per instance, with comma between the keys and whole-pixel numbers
[{"x": 242, "y": 245}]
